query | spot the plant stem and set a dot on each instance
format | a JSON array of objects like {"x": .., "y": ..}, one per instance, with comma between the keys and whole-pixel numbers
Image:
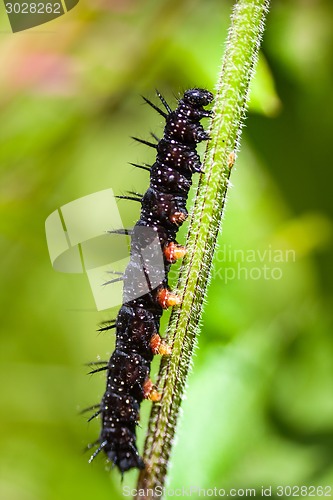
[{"x": 238, "y": 65}]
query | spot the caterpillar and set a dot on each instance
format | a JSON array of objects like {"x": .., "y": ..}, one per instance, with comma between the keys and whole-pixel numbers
[{"x": 163, "y": 211}]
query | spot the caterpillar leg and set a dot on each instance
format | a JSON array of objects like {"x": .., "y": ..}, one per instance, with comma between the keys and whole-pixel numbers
[
  {"x": 166, "y": 298},
  {"x": 158, "y": 346},
  {"x": 178, "y": 218},
  {"x": 150, "y": 391},
  {"x": 172, "y": 252},
  {"x": 231, "y": 159}
]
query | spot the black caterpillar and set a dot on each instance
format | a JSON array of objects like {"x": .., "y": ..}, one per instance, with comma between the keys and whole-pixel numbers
[{"x": 163, "y": 210}]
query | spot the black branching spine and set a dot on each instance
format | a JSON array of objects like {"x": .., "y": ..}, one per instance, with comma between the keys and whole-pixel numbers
[{"x": 163, "y": 210}]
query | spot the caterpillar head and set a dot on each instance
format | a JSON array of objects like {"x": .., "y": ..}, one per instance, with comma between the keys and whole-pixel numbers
[{"x": 198, "y": 97}]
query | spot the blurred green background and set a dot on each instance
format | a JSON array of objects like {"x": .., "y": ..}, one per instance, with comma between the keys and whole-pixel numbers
[{"x": 259, "y": 407}]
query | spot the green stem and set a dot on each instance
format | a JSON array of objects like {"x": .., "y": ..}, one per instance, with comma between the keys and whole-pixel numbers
[{"x": 229, "y": 111}]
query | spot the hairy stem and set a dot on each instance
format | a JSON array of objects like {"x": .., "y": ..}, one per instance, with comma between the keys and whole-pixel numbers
[{"x": 247, "y": 24}]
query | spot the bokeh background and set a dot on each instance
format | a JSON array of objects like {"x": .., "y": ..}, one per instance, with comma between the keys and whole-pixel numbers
[{"x": 259, "y": 407}]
